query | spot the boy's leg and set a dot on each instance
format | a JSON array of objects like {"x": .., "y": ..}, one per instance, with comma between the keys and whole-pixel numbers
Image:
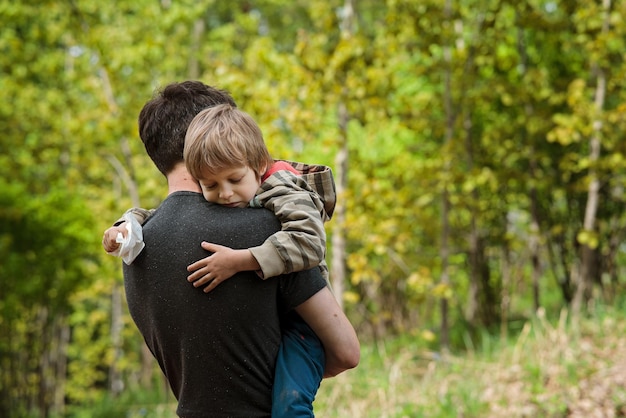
[{"x": 299, "y": 370}]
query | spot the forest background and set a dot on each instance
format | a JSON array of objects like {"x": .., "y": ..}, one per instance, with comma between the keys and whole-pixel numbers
[{"x": 478, "y": 149}]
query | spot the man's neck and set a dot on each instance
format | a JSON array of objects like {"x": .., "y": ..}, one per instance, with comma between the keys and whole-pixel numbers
[{"x": 179, "y": 180}]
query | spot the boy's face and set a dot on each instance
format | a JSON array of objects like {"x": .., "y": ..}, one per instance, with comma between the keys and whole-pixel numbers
[{"x": 232, "y": 187}]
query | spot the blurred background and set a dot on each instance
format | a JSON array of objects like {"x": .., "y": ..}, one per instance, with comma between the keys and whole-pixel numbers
[{"x": 478, "y": 149}]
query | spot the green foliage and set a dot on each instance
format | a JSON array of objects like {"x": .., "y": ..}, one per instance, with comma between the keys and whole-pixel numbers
[
  {"x": 488, "y": 105},
  {"x": 47, "y": 247}
]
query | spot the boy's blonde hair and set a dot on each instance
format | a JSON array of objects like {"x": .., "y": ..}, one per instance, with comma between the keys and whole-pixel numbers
[{"x": 222, "y": 137}]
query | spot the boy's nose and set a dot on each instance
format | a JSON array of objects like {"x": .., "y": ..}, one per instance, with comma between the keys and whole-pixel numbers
[{"x": 226, "y": 192}]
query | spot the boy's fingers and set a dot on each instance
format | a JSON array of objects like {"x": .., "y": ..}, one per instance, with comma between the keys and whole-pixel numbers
[
  {"x": 209, "y": 246},
  {"x": 197, "y": 265},
  {"x": 211, "y": 285}
]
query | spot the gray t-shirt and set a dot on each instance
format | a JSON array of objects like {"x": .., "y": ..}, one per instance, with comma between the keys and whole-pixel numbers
[{"x": 217, "y": 350}]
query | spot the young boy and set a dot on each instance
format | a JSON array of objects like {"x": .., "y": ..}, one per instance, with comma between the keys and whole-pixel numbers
[{"x": 225, "y": 152}]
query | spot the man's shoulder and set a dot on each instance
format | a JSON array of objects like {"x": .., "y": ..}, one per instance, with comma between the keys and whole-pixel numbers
[{"x": 190, "y": 210}]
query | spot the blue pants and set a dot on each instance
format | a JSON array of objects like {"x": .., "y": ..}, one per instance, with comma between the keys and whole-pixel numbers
[{"x": 299, "y": 370}]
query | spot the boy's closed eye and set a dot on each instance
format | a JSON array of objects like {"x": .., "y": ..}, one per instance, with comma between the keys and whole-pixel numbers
[{"x": 211, "y": 186}]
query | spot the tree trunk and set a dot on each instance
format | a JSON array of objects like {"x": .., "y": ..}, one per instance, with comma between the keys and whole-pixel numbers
[
  {"x": 116, "y": 384},
  {"x": 534, "y": 236},
  {"x": 610, "y": 261},
  {"x": 588, "y": 253},
  {"x": 61, "y": 369},
  {"x": 196, "y": 37},
  {"x": 472, "y": 306},
  {"x": 533, "y": 244},
  {"x": 444, "y": 250},
  {"x": 505, "y": 295},
  {"x": 338, "y": 268},
  {"x": 482, "y": 301},
  {"x": 44, "y": 349}
]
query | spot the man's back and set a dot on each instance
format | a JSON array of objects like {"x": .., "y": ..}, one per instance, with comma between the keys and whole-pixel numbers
[{"x": 217, "y": 349}]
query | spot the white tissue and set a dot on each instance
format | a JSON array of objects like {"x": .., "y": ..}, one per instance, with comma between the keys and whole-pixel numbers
[{"x": 131, "y": 246}]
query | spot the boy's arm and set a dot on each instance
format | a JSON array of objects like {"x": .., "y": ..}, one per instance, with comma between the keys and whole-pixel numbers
[
  {"x": 301, "y": 243},
  {"x": 223, "y": 263},
  {"x": 140, "y": 214},
  {"x": 109, "y": 238}
]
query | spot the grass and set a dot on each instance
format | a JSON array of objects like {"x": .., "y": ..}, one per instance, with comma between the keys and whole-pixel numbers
[
  {"x": 558, "y": 368},
  {"x": 564, "y": 368}
]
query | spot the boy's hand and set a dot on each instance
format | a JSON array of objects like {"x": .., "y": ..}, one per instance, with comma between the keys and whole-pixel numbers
[
  {"x": 220, "y": 266},
  {"x": 110, "y": 235}
]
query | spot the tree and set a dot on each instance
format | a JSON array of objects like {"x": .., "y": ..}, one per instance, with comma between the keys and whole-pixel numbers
[{"x": 47, "y": 250}]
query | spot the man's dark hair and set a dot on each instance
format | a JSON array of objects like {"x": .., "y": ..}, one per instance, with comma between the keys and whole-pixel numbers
[{"x": 164, "y": 120}]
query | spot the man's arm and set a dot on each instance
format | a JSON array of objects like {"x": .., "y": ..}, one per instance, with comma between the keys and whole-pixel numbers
[{"x": 325, "y": 317}]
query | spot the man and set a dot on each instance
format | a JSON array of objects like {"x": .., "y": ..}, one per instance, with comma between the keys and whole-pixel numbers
[{"x": 217, "y": 350}]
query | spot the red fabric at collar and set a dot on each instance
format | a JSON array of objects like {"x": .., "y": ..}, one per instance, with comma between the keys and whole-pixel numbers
[{"x": 278, "y": 166}]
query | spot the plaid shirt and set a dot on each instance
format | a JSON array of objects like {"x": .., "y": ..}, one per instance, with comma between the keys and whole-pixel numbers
[{"x": 302, "y": 204}]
